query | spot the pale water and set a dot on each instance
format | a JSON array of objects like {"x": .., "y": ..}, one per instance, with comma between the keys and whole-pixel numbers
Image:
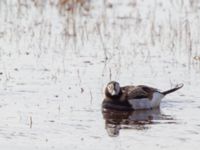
[{"x": 56, "y": 58}]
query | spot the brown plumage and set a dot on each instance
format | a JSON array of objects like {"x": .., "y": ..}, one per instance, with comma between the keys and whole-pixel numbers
[
  {"x": 123, "y": 97},
  {"x": 140, "y": 91}
]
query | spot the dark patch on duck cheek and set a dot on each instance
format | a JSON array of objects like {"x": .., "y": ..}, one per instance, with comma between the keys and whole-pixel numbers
[{"x": 115, "y": 88}]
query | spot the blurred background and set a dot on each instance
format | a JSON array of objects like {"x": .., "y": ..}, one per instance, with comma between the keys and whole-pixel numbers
[{"x": 56, "y": 56}]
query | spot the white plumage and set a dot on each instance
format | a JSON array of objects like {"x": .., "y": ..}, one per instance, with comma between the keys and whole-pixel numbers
[{"x": 146, "y": 103}]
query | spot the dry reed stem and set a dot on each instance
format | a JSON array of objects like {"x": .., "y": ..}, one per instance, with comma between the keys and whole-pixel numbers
[{"x": 31, "y": 122}]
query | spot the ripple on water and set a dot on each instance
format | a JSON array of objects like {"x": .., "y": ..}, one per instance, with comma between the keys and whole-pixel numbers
[{"x": 138, "y": 120}]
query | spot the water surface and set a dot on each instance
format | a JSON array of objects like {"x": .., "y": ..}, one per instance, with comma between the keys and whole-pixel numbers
[{"x": 55, "y": 60}]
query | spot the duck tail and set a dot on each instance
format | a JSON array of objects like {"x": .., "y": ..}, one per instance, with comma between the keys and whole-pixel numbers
[{"x": 178, "y": 86}]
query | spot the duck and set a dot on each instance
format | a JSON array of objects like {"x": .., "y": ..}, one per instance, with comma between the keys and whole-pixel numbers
[{"x": 130, "y": 97}]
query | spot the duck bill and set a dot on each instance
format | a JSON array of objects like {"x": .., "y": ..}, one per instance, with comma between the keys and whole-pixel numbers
[{"x": 113, "y": 93}]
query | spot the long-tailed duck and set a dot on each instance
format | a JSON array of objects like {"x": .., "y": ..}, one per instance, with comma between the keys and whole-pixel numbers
[{"x": 133, "y": 97}]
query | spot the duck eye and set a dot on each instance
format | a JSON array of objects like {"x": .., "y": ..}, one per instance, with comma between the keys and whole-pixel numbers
[{"x": 111, "y": 87}]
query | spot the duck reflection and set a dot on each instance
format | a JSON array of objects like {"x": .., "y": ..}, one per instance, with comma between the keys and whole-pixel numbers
[{"x": 139, "y": 120}]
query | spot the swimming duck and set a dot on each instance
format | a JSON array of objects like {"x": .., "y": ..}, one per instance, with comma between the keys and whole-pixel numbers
[{"x": 133, "y": 97}]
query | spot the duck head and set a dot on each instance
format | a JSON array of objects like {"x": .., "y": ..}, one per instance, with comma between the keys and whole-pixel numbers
[{"x": 113, "y": 89}]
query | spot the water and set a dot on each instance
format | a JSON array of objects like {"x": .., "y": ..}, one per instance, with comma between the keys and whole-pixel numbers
[{"x": 55, "y": 62}]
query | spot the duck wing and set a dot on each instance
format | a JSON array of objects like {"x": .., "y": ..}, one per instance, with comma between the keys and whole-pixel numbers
[{"x": 140, "y": 91}]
